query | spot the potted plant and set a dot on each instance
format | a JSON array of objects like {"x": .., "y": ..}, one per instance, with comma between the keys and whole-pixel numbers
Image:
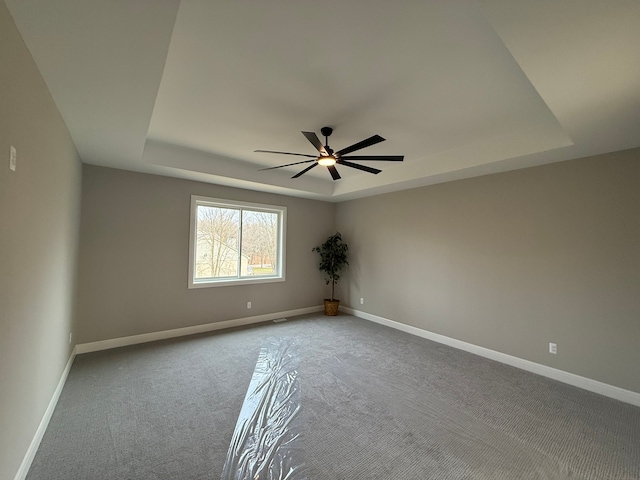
[{"x": 333, "y": 258}]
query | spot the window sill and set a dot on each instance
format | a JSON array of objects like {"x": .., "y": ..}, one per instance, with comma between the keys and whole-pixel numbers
[{"x": 233, "y": 281}]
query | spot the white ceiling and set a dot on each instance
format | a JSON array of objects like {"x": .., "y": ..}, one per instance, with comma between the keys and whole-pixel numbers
[{"x": 460, "y": 87}]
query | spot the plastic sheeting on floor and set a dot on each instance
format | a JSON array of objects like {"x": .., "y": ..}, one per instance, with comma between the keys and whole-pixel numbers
[{"x": 266, "y": 439}]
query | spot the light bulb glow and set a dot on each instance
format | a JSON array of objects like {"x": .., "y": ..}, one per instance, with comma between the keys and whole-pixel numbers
[{"x": 326, "y": 161}]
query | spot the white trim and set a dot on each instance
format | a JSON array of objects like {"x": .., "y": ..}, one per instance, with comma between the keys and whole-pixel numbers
[
  {"x": 607, "y": 390},
  {"x": 37, "y": 438},
  {"x": 585, "y": 383},
  {"x": 227, "y": 283},
  {"x": 180, "y": 332},
  {"x": 279, "y": 276},
  {"x": 135, "y": 339}
]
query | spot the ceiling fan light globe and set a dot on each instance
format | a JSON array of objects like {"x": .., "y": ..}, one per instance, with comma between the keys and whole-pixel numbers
[{"x": 326, "y": 161}]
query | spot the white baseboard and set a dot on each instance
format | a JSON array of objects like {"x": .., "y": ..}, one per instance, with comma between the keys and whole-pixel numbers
[
  {"x": 37, "y": 438},
  {"x": 180, "y": 332},
  {"x": 576, "y": 380},
  {"x": 605, "y": 389},
  {"x": 132, "y": 340}
]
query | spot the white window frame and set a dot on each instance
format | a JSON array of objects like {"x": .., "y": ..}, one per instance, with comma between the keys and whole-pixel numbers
[{"x": 279, "y": 276}]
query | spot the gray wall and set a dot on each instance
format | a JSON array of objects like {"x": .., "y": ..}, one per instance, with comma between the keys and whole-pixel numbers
[
  {"x": 511, "y": 262},
  {"x": 39, "y": 216},
  {"x": 134, "y": 256}
]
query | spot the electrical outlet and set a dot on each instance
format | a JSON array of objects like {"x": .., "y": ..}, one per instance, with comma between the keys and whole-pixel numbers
[
  {"x": 12, "y": 158},
  {"x": 70, "y": 337},
  {"x": 361, "y": 301},
  {"x": 553, "y": 348},
  {"x": 248, "y": 304}
]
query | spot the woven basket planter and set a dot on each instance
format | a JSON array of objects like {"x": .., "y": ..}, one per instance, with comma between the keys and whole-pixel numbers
[{"x": 331, "y": 307}]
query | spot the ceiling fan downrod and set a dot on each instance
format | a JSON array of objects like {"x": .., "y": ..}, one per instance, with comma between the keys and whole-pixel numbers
[{"x": 326, "y": 132}]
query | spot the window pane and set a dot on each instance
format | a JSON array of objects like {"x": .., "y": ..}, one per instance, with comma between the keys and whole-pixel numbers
[
  {"x": 260, "y": 243},
  {"x": 235, "y": 243},
  {"x": 217, "y": 242}
]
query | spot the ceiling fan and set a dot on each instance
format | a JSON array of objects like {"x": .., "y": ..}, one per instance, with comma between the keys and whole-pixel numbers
[{"x": 328, "y": 158}]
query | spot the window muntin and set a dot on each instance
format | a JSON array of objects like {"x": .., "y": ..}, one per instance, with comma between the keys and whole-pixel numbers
[{"x": 235, "y": 242}]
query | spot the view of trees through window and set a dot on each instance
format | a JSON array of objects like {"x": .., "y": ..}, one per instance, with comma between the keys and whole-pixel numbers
[{"x": 235, "y": 242}]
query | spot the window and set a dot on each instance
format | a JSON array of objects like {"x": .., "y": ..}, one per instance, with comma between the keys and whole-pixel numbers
[{"x": 235, "y": 242}]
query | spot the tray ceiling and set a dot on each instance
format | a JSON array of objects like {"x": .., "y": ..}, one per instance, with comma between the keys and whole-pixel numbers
[{"x": 461, "y": 88}]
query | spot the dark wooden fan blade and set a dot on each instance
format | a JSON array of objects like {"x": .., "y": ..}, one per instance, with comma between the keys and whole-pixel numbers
[
  {"x": 305, "y": 170},
  {"x": 386, "y": 158},
  {"x": 363, "y": 144},
  {"x": 315, "y": 141},
  {"x": 334, "y": 173},
  {"x": 287, "y": 165},
  {"x": 359, "y": 167},
  {"x": 286, "y": 153}
]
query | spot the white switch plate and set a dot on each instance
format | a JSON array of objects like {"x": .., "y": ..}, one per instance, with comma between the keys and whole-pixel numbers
[
  {"x": 553, "y": 348},
  {"x": 12, "y": 158},
  {"x": 248, "y": 304}
]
